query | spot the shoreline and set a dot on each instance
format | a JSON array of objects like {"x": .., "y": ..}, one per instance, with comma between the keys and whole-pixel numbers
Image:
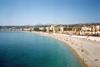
[
  {"x": 74, "y": 53},
  {"x": 85, "y": 57}
]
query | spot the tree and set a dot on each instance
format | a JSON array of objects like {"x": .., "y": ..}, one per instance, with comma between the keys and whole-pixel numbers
[
  {"x": 30, "y": 30},
  {"x": 36, "y": 29},
  {"x": 50, "y": 30}
]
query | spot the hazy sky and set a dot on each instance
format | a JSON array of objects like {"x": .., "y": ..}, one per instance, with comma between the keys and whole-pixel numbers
[{"x": 31, "y": 12}]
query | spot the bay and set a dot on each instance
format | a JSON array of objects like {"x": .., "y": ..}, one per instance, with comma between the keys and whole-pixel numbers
[{"x": 19, "y": 49}]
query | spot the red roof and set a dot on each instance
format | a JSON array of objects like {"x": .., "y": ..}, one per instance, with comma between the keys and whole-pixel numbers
[
  {"x": 78, "y": 27},
  {"x": 90, "y": 26},
  {"x": 73, "y": 27},
  {"x": 63, "y": 26},
  {"x": 69, "y": 27}
]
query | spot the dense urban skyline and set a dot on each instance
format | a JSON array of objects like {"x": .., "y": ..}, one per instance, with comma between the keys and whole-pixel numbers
[{"x": 31, "y": 12}]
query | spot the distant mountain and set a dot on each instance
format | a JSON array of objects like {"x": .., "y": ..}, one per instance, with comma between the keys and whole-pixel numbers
[
  {"x": 39, "y": 24},
  {"x": 46, "y": 25}
]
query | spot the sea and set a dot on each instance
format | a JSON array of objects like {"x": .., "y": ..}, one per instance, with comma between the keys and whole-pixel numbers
[{"x": 20, "y": 49}]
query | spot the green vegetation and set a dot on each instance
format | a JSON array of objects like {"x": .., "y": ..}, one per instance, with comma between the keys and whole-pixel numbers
[
  {"x": 50, "y": 30},
  {"x": 30, "y": 30},
  {"x": 36, "y": 29}
]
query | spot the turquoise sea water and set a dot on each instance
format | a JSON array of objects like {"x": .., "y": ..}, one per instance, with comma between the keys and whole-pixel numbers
[{"x": 19, "y": 49}]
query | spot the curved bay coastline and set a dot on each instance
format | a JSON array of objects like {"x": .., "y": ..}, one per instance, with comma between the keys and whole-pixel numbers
[
  {"x": 33, "y": 50},
  {"x": 80, "y": 47}
]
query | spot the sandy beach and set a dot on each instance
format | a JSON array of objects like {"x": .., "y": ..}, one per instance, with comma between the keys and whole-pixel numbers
[{"x": 85, "y": 48}]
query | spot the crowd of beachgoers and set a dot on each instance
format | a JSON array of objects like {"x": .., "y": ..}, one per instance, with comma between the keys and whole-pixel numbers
[{"x": 85, "y": 48}]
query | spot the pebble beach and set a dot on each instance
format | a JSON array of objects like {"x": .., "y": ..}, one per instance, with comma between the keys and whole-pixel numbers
[{"x": 85, "y": 48}]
